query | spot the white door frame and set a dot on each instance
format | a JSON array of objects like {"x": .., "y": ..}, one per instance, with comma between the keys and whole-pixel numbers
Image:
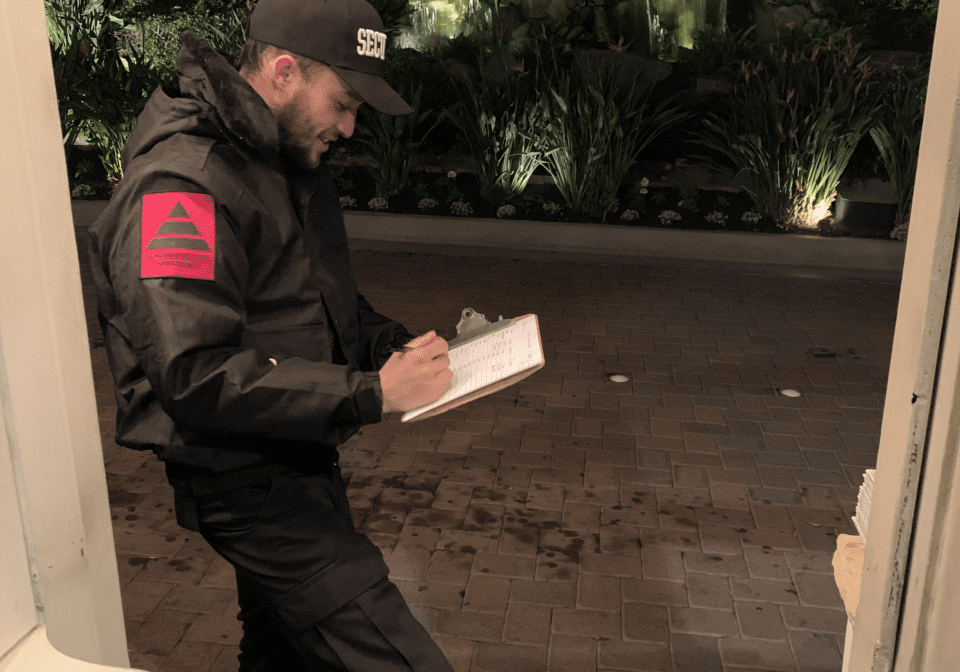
[
  {"x": 919, "y": 434},
  {"x": 51, "y": 447}
]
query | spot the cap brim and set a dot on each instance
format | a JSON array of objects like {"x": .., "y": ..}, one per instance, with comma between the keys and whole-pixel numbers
[{"x": 374, "y": 91}]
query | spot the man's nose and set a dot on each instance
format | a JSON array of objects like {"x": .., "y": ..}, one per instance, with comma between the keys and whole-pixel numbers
[{"x": 347, "y": 124}]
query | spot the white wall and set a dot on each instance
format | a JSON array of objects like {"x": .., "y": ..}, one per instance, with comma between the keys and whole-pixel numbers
[{"x": 52, "y": 482}]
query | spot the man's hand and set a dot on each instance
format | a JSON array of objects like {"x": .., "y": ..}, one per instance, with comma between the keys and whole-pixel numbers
[{"x": 419, "y": 375}]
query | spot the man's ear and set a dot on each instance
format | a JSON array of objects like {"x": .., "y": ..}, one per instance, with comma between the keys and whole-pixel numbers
[{"x": 284, "y": 74}]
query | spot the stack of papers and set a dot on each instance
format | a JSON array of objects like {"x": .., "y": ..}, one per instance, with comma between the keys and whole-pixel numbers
[{"x": 864, "y": 499}]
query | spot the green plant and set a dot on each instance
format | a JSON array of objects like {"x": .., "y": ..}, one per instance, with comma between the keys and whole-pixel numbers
[
  {"x": 598, "y": 119},
  {"x": 720, "y": 52},
  {"x": 455, "y": 195},
  {"x": 688, "y": 196},
  {"x": 717, "y": 217},
  {"x": 499, "y": 123},
  {"x": 100, "y": 90},
  {"x": 668, "y": 217},
  {"x": 585, "y": 23},
  {"x": 392, "y": 142},
  {"x": 569, "y": 25},
  {"x": 395, "y": 14},
  {"x": 420, "y": 190},
  {"x": 378, "y": 203},
  {"x": 791, "y": 126},
  {"x": 461, "y": 208},
  {"x": 340, "y": 178},
  {"x": 154, "y": 26},
  {"x": 897, "y": 136},
  {"x": 637, "y": 195},
  {"x": 426, "y": 204},
  {"x": 889, "y": 24}
]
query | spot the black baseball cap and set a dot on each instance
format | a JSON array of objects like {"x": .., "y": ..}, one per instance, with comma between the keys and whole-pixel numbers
[{"x": 346, "y": 35}]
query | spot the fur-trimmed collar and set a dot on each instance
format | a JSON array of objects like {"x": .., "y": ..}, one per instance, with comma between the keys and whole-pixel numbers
[{"x": 208, "y": 75}]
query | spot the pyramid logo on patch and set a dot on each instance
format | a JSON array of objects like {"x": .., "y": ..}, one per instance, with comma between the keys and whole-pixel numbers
[
  {"x": 178, "y": 232},
  {"x": 178, "y": 235}
]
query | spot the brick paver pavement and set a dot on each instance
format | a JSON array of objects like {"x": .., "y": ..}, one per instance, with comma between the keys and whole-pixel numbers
[{"x": 683, "y": 521}]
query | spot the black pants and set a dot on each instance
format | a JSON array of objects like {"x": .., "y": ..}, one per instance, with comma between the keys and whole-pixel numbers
[{"x": 314, "y": 593}]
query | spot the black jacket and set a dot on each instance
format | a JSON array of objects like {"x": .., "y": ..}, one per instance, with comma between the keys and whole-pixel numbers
[{"x": 191, "y": 358}]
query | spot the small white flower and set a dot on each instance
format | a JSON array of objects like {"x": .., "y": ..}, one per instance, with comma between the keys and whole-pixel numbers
[
  {"x": 506, "y": 211},
  {"x": 645, "y": 182},
  {"x": 669, "y": 216},
  {"x": 427, "y": 204},
  {"x": 629, "y": 215},
  {"x": 378, "y": 203},
  {"x": 717, "y": 217},
  {"x": 551, "y": 208},
  {"x": 452, "y": 174},
  {"x": 644, "y": 190},
  {"x": 461, "y": 208},
  {"x": 750, "y": 217},
  {"x": 348, "y": 202}
]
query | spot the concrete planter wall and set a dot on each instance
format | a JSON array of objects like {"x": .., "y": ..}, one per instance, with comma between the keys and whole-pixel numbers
[
  {"x": 843, "y": 257},
  {"x": 880, "y": 260}
]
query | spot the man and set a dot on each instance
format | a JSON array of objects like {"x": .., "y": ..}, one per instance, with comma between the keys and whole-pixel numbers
[{"x": 242, "y": 352}]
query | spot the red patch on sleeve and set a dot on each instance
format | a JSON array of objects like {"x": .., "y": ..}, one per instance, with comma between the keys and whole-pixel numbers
[{"x": 178, "y": 236}]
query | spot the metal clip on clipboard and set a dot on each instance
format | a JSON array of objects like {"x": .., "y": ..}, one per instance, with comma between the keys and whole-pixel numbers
[{"x": 473, "y": 325}]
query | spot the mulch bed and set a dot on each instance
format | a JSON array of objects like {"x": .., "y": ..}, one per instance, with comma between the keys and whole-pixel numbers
[{"x": 359, "y": 184}]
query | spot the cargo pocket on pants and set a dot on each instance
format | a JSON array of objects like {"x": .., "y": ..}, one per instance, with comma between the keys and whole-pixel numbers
[{"x": 385, "y": 607}]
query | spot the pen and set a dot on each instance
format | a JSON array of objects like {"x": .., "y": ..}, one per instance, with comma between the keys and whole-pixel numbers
[{"x": 409, "y": 348}]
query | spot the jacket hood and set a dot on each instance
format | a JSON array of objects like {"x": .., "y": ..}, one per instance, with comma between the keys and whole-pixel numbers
[{"x": 214, "y": 101}]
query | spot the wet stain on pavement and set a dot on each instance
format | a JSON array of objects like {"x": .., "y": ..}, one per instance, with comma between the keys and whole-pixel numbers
[
  {"x": 393, "y": 482},
  {"x": 180, "y": 565},
  {"x": 120, "y": 498},
  {"x": 489, "y": 494},
  {"x": 525, "y": 535},
  {"x": 483, "y": 517}
]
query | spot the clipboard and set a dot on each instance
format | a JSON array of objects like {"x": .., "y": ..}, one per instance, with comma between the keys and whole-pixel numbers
[{"x": 486, "y": 357}]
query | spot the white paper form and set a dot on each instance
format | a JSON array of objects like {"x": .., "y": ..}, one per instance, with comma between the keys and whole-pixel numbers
[{"x": 488, "y": 359}]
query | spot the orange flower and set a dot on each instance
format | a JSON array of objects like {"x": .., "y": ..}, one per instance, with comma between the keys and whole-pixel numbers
[{"x": 619, "y": 47}]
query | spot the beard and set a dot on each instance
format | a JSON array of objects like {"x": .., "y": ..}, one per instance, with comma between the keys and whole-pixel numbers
[{"x": 295, "y": 137}]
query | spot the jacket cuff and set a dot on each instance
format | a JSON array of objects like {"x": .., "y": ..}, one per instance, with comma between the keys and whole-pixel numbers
[{"x": 370, "y": 400}]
